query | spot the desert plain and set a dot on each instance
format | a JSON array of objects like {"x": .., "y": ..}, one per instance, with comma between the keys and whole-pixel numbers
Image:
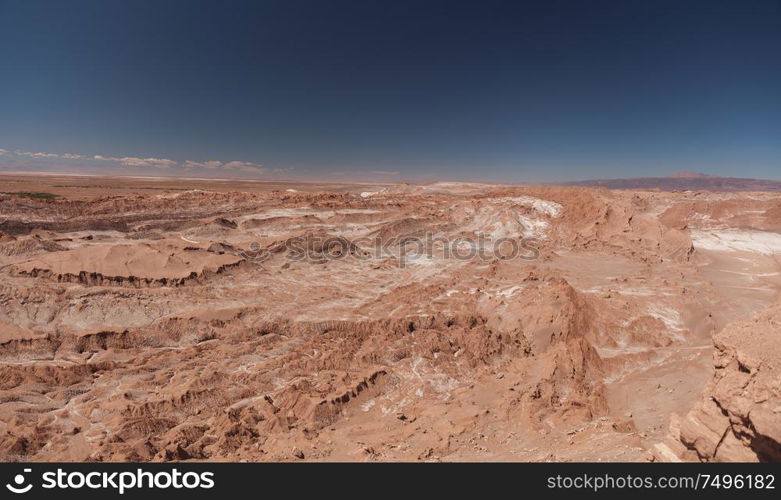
[{"x": 151, "y": 319}]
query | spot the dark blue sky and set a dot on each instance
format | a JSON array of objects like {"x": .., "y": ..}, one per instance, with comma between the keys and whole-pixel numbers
[{"x": 393, "y": 90}]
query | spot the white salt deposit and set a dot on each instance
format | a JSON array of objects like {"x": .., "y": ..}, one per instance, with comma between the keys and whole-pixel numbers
[{"x": 736, "y": 240}]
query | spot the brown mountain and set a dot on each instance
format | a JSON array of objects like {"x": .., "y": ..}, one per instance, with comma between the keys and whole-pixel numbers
[{"x": 683, "y": 181}]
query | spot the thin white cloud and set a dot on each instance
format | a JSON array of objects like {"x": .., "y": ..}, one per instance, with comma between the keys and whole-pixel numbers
[
  {"x": 166, "y": 163},
  {"x": 31, "y": 154},
  {"x": 204, "y": 164},
  {"x": 134, "y": 161},
  {"x": 243, "y": 165},
  {"x": 386, "y": 172},
  {"x": 150, "y": 162}
]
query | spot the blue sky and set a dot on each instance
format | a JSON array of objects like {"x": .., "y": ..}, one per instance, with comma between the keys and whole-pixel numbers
[{"x": 402, "y": 90}]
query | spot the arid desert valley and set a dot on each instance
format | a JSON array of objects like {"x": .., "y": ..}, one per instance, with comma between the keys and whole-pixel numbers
[{"x": 165, "y": 320}]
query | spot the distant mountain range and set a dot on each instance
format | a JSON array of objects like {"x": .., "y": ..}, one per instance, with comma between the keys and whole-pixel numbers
[{"x": 685, "y": 181}]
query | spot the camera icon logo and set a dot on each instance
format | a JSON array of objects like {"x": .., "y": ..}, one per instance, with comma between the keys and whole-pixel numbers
[{"x": 19, "y": 481}]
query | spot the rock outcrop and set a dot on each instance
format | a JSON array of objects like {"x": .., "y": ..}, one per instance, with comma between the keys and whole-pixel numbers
[{"x": 739, "y": 415}]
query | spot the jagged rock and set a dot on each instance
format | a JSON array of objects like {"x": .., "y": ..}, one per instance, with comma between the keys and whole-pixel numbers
[{"x": 739, "y": 415}]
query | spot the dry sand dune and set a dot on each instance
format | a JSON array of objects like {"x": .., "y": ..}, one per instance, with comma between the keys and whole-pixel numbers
[{"x": 185, "y": 320}]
